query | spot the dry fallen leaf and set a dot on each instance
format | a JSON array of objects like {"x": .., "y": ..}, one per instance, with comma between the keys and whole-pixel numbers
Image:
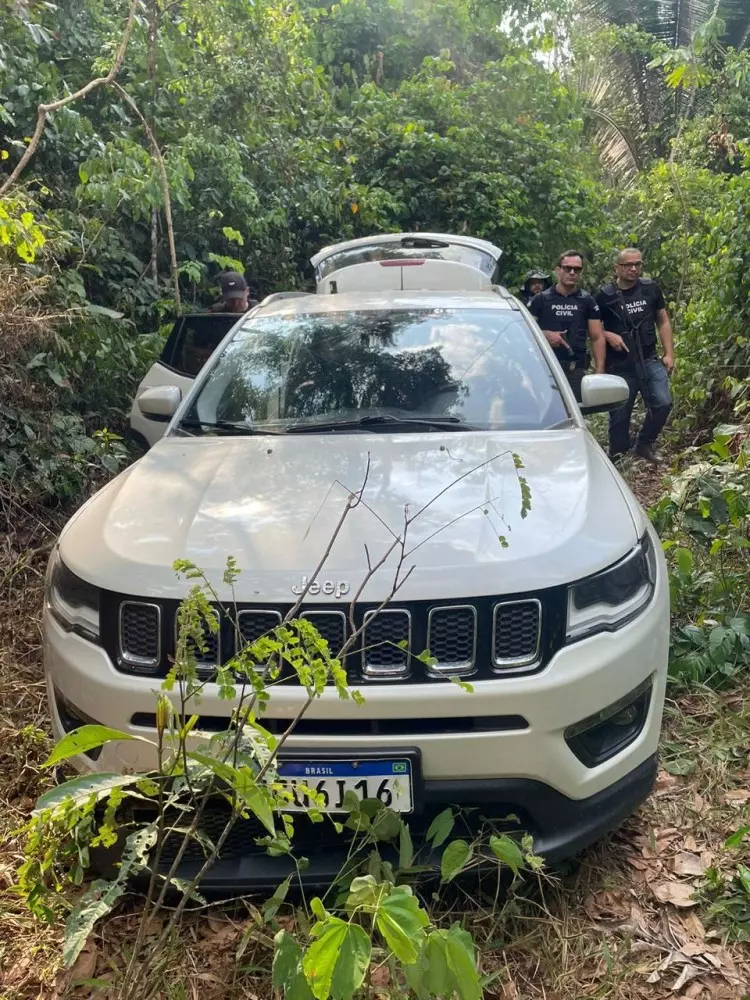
[
  {"x": 690, "y": 843},
  {"x": 220, "y": 931},
  {"x": 380, "y": 976},
  {"x": 676, "y": 893},
  {"x": 693, "y": 926},
  {"x": 737, "y": 796},
  {"x": 606, "y": 906},
  {"x": 638, "y": 863},
  {"x": 85, "y": 965},
  {"x": 688, "y": 864},
  {"x": 688, "y": 973}
]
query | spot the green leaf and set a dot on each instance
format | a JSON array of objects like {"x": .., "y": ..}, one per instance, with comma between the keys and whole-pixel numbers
[
  {"x": 438, "y": 979},
  {"x": 737, "y": 837},
  {"x": 364, "y": 891},
  {"x": 83, "y": 786},
  {"x": 684, "y": 559},
  {"x": 242, "y": 781},
  {"x": 287, "y": 973},
  {"x": 446, "y": 967},
  {"x": 335, "y": 964},
  {"x": 405, "y": 848},
  {"x": 743, "y": 873},
  {"x": 233, "y": 235},
  {"x": 86, "y": 738},
  {"x": 102, "y": 895},
  {"x": 681, "y": 766},
  {"x": 459, "y": 949},
  {"x": 272, "y": 906},
  {"x": 401, "y": 921},
  {"x": 455, "y": 858},
  {"x": 440, "y": 828},
  {"x": 507, "y": 850}
]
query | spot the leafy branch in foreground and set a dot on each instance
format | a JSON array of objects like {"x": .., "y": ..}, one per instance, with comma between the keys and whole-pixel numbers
[{"x": 155, "y": 820}]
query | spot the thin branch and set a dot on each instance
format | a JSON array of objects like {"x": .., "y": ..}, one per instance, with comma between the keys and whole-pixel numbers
[
  {"x": 157, "y": 155},
  {"x": 45, "y": 109}
]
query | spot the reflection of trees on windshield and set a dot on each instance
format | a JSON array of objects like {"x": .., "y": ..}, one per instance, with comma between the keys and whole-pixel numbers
[
  {"x": 331, "y": 364},
  {"x": 479, "y": 365}
]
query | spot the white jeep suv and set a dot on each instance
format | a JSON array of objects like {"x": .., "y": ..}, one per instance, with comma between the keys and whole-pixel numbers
[{"x": 420, "y": 391}]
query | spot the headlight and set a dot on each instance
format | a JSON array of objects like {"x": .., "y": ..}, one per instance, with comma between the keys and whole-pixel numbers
[
  {"x": 73, "y": 602},
  {"x": 609, "y": 600}
]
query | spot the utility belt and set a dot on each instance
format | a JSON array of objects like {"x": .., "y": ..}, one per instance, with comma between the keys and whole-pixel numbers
[{"x": 569, "y": 364}]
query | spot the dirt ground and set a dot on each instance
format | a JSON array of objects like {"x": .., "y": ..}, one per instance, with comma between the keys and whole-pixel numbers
[{"x": 622, "y": 925}]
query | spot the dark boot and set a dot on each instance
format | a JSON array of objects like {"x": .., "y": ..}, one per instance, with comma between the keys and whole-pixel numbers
[{"x": 648, "y": 454}]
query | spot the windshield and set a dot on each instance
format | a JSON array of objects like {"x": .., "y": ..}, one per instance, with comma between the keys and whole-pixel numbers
[
  {"x": 406, "y": 249},
  {"x": 479, "y": 367}
]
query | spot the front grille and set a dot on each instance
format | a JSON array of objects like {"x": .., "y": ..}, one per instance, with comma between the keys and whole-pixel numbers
[
  {"x": 332, "y": 627},
  {"x": 386, "y": 643},
  {"x": 452, "y": 638},
  {"x": 140, "y": 636},
  {"x": 481, "y": 638},
  {"x": 253, "y": 625},
  {"x": 516, "y": 635},
  {"x": 315, "y": 839}
]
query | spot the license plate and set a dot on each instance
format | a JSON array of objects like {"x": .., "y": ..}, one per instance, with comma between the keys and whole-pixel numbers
[{"x": 388, "y": 781}]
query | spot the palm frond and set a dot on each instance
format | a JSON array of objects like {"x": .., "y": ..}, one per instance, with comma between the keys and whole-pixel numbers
[{"x": 673, "y": 22}]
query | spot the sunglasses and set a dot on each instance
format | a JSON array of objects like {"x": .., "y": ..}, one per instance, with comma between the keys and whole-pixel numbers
[
  {"x": 573, "y": 268},
  {"x": 634, "y": 264}
]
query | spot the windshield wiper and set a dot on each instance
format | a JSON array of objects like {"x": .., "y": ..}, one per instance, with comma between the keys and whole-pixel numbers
[
  {"x": 222, "y": 426},
  {"x": 385, "y": 420}
]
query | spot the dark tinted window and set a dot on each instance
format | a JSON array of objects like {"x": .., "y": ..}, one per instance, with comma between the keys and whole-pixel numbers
[
  {"x": 482, "y": 366},
  {"x": 197, "y": 338}
]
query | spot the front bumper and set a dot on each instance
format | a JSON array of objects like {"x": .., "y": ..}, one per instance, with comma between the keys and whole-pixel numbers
[{"x": 560, "y": 827}]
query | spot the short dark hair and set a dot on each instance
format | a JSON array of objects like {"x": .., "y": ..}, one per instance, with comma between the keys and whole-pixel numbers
[{"x": 569, "y": 253}]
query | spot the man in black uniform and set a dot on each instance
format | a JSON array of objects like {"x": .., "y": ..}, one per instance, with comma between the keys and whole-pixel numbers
[
  {"x": 536, "y": 282},
  {"x": 569, "y": 318},
  {"x": 234, "y": 294},
  {"x": 633, "y": 309}
]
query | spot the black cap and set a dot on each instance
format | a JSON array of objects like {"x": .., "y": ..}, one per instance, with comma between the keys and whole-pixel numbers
[
  {"x": 536, "y": 276},
  {"x": 232, "y": 284}
]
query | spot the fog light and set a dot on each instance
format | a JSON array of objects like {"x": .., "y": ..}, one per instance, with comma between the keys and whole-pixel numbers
[{"x": 604, "y": 735}]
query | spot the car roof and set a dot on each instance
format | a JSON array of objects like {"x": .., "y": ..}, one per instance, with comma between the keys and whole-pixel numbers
[{"x": 388, "y": 300}]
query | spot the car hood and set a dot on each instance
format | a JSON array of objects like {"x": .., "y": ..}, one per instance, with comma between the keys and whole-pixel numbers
[{"x": 277, "y": 504}]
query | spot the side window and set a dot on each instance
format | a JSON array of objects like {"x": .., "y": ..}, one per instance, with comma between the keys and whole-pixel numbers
[{"x": 197, "y": 339}]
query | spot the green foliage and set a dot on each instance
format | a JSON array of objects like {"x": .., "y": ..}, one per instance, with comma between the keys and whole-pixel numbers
[
  {"x": 727, "y": 898},
  {"x": 704, "y": 522},
  {"x": 336, "y": 962},
  {"x": 18, "y": 229},
  {"x": 83, "y": 739},
  {"x": 102, "y": 895},
  {"x": 374, "y": 918}
]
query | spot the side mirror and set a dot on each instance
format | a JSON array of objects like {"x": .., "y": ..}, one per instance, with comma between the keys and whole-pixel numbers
[
  {"x": 160, "y": 402},
  {"x": 603, "y": 392}
]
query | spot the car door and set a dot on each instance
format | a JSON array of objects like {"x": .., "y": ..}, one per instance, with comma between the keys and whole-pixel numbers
[{"x": 191, "y": 343}]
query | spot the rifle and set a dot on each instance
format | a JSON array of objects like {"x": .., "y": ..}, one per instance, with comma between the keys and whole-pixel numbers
[{"x": 635, "y": 351}]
